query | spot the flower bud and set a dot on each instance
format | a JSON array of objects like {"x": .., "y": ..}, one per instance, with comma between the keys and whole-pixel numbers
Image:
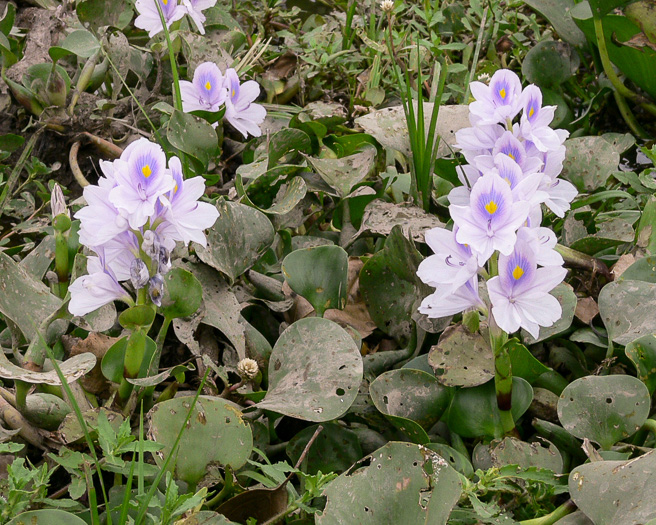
[
  {"x": 156, "y": 289},
  {"x": 56, "y": 89},
  {"x": 139, "y": 274},
  {"x": 61, "y": 218},
  {"x": 164, "y": 260},
  {"x": 247, "y": 369},
  {"x": 151, "y": 244},
  {"x": 387, "y": 6}
]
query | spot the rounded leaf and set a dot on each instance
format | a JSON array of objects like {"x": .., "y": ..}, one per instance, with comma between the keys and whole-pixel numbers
[
  {"x": 642, "y": 353},
  {"x": 335, "y": 449},
  {"x": 135, "y": 317},
  {"x": 627, "y": 309},
  {"x": 315, "y": 370},
  {"x": 604, "y": 409},
  {"x": 215, "y": 424},
  {"x": 320, "y": 275},
  {"x": 182, "y": 294},
  {"x": 393, "y": 485},
  {"x": 474, "y": 413},
  {"x": 462, "y": 358},
  {"x": 46, "y": 517}
]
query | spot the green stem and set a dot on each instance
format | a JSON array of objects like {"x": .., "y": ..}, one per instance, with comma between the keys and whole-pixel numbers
[
  {"x": 161, "y": 336},
  {"x": 502, "y": 378},
  {"x": 566, "y": 508},
  {"x": 628, "y": 116},
  {"x": 61, "y": 262},
  {"x": 607, "y": 64},
  {"x": 22, "y": 388}
]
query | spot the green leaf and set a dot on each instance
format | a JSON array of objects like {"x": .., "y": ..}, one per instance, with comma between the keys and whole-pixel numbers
[
  {"x": 642, "y": 270},
  {"x": 102, "y": 13},
  {"x": 182, "y": 294},
  {"x": 344, "y": 173},
  {"x": 474, "y": 412},
  {"x": 80, "y": 43},
  {"x": 614, "y": 492},
  {"x": 393, "y": 485},
  {"x": 642, "y": 353},
  {"x": 136, "y": 317},
  {"x": 319, "y": 275},
  {"x": 461, "y": 358},
  {"x": 524, "y": 364},
  {"x": 113, "y": 361},
  {"x": 558, "y": 14},
  {"x": 315, "y": 370},
  {"x": 627, "y": 309},
  {"x": 238, "y": 239},
  {"x": 512, "y": 451},
  {"x": 24, "y": 300},
  {"x": 408, "y": 394},
  {"x": 216, "y": 424},
  {"x": 335, "y": 449},
  {"x": 193, "y": 136},
  {"x": 589, "y": 162},
  {"x": 548, "y": 64},
  {"x": 603, "y": 7},
  {"x": 285, "y": 142},
  {"x": 293, "y": 192},
  {"x": 604, "y": 409}
]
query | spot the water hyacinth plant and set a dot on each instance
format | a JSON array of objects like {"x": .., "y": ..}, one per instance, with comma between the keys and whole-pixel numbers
[{"x": 512, "y": 169}]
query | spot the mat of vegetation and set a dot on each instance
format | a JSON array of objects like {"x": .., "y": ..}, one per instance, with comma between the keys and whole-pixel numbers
[{"x": 327, "y": 261}]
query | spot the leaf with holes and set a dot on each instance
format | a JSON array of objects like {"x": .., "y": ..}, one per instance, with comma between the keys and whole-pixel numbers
[
  {"x": 213, "y": 421},
  {"x": 461, "y": 358},
  {"x": 408, "y": 394},
  {"x": 604, "y": 409},
  {"x": 589, "y": 162},
  {"x": 512, "y": 451},
  {"x": 474, "y": 413},
  {"x": 320, "y": 275},
  {"x": 315, "y": 370},
  {"x": 627, "y": 309},
  {"x": 238, "y": 239},
  {"x": 403, "y": 475},
  {"x": 616, "y": 492},
  {"x": 344, "y": 173}
]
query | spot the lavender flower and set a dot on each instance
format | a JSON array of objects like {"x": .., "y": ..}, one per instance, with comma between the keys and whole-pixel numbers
[
  {"x": 241, "y": 111},
  {"x": 207, "y": 92},
  {"x": 443, "y": 303},
  {"x": 498, "y": 102},
  {"x": 149, "y": 18},
  {"x": 194, "y": 10},
  {"x": 520, "y": 293}
]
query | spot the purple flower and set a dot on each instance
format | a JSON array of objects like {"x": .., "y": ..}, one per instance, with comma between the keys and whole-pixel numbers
[
  {"x": 184, "y": 217},
  {"x": 443, "y": 303},
  {"x": 149, "y": 19},
  {"x": 241, "y": 112},
  {"x": 98, "y": 288},
  {"x": 490, "y": 221},
  {"x": 452, "y": 264},
  {"x": 520, "y": 293},
  {"x": 207, "y": 92},
  {"x": 534, "y": 124},
  {"x": 500, "y": 101},
  {"x": 141, "y": 178},
  {"x": 194, "y": 10},
  {"x": 509, "y": 145}
]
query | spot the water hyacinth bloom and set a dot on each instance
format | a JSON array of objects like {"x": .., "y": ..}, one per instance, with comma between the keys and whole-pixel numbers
[
  {"x": 207, "y": 91},
  {"x": 149, "y": 18},
  {"x": 534, "y": 124},
  {"x": 98, "y": 288},
  {"x": 490, "y": 221},
  {"x": 520, "y": 293},
  {"x": 241, "y": 111},
  {"x": 183, "y": 217},
  {"x": 194, "y": 10},
  {"x": 141, "y": 178},
  {"x": 451, "y": 265},
  {"x": 499, "y": 101},
  {"x": 443, "y": 303}
]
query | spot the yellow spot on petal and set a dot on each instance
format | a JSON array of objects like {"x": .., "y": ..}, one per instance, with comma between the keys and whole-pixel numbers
[
  {"x": 508, "y": 181},
  {"x": 147, "y": 172},
  {"x": 491, "y": 207},
  {"x": 502, "y": 93},
  {"x": 531, "y": 113},
  {"x": 165, "y": 2},
  {"x": 233, "y": 93},
  {"x": 511, "y": 156},
  {"x": 175, "y": 190},
  {"x": 208, "y": 86},
  {"x": 517, "y": 273}
]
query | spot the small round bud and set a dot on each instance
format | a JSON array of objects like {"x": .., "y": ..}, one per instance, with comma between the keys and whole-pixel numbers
[
  {"x": 156, "y": 289},
  {"x": 139, "y": 274},
  {"x": 52, "y": 277},
  {"x": 387, "y": 6},
  {"x": 247, "y": 368}
]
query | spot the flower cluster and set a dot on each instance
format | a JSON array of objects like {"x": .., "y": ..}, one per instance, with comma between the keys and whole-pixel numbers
[
  {"x": 150, "y": 20},
  {"x": 512, "y": 169},
  {"x": 133, "y": 219},
  {"x": 210, "y": 90}
]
